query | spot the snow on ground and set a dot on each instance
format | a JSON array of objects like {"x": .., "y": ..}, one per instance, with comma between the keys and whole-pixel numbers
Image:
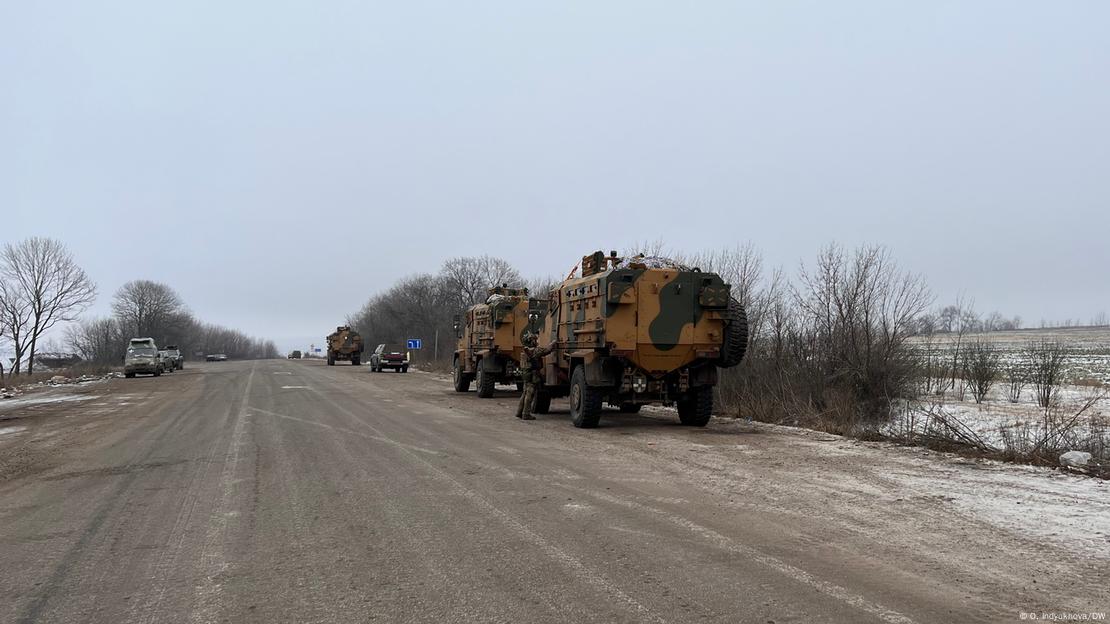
[
  {"x": 40, "y": 399},
  {"x": 1067, "y": 509},
  {"x": 997, "y": 420}
]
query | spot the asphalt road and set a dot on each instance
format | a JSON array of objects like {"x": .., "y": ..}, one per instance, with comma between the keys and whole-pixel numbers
[{"x": 278, "y": 491}]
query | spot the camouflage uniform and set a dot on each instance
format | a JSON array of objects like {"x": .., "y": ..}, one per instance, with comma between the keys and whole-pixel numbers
[{"x": 531, "y": 361}]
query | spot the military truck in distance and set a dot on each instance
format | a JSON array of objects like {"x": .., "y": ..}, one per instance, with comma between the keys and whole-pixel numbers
[
  {"x": 344, "y": 344},
  {"x": 489, "y": 339},
  {"x": 638, "y": 331}
]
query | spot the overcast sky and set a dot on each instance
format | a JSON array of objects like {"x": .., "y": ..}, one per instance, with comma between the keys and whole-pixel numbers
[{"x": 278, "y": 162}]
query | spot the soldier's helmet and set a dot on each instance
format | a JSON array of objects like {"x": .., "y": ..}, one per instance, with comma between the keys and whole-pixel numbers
[{"x": 529, "y": 339}]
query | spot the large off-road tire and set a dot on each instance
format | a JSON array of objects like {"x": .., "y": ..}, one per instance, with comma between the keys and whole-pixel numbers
[
  {"x": 735, "y": 342},
  {"x": 355, "y": 361},
  {"x": 486, "y": 382},
  {"x": 696, "y": 408},
  {"x": 630, "y": 408},
  {"x": 460, "y": 378},
  {"x": 520, "y": 386},
  {"x": 331, "y": 359},
  {"x": 543, "y": 403},
  {"x": 585, "y": 402},
  {"x": 158, "y": 372},
  {"x": 405, "y": 368}
]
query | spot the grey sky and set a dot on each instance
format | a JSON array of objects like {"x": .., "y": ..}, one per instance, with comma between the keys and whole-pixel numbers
[{"x": 300, "y": 156}]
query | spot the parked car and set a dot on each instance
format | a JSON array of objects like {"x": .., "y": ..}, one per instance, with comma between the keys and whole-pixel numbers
[
  {"x": 142, "y": 358},
  {"x": 167, "y": 361},
  {"x": 295, "y": 355},
  {"x": 215, "y": 357},
  {"x": 389, "y": 356},
  {"x": 175, "y": 358}
]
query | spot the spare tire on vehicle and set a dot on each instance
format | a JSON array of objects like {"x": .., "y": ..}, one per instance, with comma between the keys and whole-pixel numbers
[{"x": 735, "y": 342}]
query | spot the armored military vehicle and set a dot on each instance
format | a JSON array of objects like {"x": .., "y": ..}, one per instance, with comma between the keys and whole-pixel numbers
[
  {"x": 344, "y": 344},
  {"x": 489, "y": 345},
  {"x": 638, "y": 331}
]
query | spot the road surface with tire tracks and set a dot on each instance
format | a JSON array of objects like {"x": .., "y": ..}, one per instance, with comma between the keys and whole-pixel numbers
[{"x": 290, "y": 491}]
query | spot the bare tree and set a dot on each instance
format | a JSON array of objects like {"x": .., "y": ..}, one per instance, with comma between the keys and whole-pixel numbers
[
  {"x": 146, "y": 308},
  {"x": 467, "y": 279},
  {"x": 49, "y": 280},
  {"x": 1047, "y": 361},
  {"x": 98, "y": 341},
  {"x": 858, "y": 311},
  {"x": 980, "y": 368},
  {"x": 540, "y": 287},
  {"x": 1016, "y": 378}
]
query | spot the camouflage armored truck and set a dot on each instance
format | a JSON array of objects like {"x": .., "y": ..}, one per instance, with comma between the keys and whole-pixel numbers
[
  {"x": 344, "y": 344},
  {"x": 638, "y": 331},
  {"x": 489, "y": 345}
]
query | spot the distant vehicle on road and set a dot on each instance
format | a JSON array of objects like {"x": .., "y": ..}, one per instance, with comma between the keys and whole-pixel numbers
[
  {"x": 389, "y": 356},
  {"x": 143, "y": 358},
  {"x": 295, "y": 355},
  {"x": 173, "y": 357},
  {"x": 344, "y": 344},
  {"x": 215, "y": 357}
]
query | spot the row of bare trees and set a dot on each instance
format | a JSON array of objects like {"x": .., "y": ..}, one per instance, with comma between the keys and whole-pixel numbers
[
  {"x": 978, "y": 365},
  {"x": 152, "y": 309},
  {"x": 828, "y": 347},
  {"x": 424, "y": 305},
  {"x": 41, "y": 285}
]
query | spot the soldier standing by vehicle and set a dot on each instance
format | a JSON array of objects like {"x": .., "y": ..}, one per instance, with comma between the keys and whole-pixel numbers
[{"x": 531, "y": 361}]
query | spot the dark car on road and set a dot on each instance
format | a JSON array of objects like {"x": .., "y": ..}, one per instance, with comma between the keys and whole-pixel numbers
[{"x": 389, "y": 356}]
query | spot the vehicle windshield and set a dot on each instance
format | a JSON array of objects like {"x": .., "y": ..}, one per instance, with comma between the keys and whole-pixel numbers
[{"x": 141, "y": 351}]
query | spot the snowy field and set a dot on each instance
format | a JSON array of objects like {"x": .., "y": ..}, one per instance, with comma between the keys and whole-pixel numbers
[
  {"x": 1079, "y": 417},
  {"x": 1088, "y": 348}
]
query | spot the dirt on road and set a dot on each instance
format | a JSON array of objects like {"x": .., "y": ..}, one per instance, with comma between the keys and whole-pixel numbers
[{"x": 289, "y": 491}]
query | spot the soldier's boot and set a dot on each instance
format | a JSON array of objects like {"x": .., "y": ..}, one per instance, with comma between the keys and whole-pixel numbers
[
  {"x": 528, "y": 401},
  {"x": 520, "y": 406}
]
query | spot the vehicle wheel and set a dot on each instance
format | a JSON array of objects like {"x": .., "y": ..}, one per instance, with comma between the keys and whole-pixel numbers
[
  {"x": 462, "y": 382},
  {"x": 331, "y": 361},
  {"x": 696, "y": 408},
  {"x": 543, "y": 403},
  {"x": 485, "y": 383},
  {"x": 129, "y": 375},
  {"x": 520, "y": 386},
  {"x": 355, "y": 361},
  {"x": 735, "y": 342},
  {"x": 158, "y": 373},
  {"x": 630, "y": 408},
  {"x": 585, "y": 402},
  {"x": 405, "y": 368},
  {"x": 181, "y": 366}
]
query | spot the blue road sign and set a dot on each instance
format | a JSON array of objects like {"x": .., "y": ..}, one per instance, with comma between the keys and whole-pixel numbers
[{"x": 415, "y": 343}]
